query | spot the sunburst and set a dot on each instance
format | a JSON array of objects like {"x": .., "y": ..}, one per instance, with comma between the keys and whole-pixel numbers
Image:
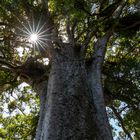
[
  {"x": 37, "y": 34},
  {"x": 33, "y": 38}
]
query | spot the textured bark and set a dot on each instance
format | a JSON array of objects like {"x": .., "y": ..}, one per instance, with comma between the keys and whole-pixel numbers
[
  {"x": 94, "y": 77},
  {"x": 42, "y": 91},
  {"x": 68, "y": 111},
  {"x": 102, "y": 124}
]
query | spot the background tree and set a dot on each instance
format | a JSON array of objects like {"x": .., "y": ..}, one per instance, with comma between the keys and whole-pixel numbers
[{"x": 93, "y": 52}]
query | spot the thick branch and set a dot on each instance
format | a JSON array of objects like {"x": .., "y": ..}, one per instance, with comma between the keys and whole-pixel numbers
[
  {"x": 100, "y": 49},
  {"x": 119, "y": 11},
  {"x": 108, "y": 12},
  {"x": 33, "y": 71},
  {"x": 94, "y": 78}
]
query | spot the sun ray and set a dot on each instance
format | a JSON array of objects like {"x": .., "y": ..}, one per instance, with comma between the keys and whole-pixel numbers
[
  {"x": 41, "y": 45},
  {"x": 42, "y": 32},
  {"x": 38, "y": 24},
  {"x": 26, "y": 30},
  {"x": 41, "y": 28},
  {"x": 30, "y": 27}
]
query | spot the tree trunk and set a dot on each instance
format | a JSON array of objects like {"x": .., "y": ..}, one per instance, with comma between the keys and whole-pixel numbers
[
  {"x": 67, "y": 109},
  {"x": 102, "y": 123},
  {"x": 42, "y": 91}
]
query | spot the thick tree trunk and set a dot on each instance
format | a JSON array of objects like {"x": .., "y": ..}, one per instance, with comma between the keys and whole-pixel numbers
[{"x": 68, "y": 111}]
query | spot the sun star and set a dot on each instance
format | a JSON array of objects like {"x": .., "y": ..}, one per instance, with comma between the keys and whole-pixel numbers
[
  {"x": 33, "y": 38},
  {"x": 36, "y": 34}
]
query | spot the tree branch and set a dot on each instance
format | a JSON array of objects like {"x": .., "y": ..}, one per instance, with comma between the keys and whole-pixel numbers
[
  {"x": 2, "y": 54},
  {"x": 74, "y": 26},
  {"x": 118, "y": 13},
  {"x": 9, "y": 82},
  {"x": 7, "y": 64},
  {"x": 3, "y": 24},
  {"x": 109, "y": 10},
  {"x": 27, "y": 7},
  {"x": 89, "y": 36},
  {"x": 100, "y": 49},
  {"x": 70, "y": 36},
  {"x": 45, "y": 3},
  {"x": 121, "y": 121},
  {"x": 5, "y": 69},
  {"x": 95, "y": 83},
  {"x": 133, "y": 25}
]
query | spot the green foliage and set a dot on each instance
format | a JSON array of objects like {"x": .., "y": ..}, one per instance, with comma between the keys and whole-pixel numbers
[
  {"x": 18, "y": 127},
  {"x": 121, "y": 69},
  {"x": 20, "y": 114},
  {"x": 132, "y": 121}
]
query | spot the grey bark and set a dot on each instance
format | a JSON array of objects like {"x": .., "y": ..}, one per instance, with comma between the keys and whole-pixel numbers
[
  {"x": 68, "y": 111},
  {"x": 41, "y": 89},
  {"x": 95, "y": 81},
  {"x": 102, "y": 124}
]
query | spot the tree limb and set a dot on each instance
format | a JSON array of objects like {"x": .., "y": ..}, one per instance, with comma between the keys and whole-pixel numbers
[
  {"x": 7, "y": 64},
  {"x": 45, "y": 3},
  {"x": 131, "y": 26},
  {"x": 89, "y": 36},
  {"x": 74, "y": 26},
  {"x": 121, "y": 121},
  {"x": 70, "y": 35},
  {"x": 100, "y": 49},
  {"x": 5, "y": 69},
  {"x": 3, "y": 24},
  {"x": 27, "y": 7},
  {"x": 118, "y": 13},
  {"x": 80, "y": 33},
  {"x": 109, "y": 10}
]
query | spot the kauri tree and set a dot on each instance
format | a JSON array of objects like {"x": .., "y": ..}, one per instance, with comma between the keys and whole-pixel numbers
[{"x": 93, "y": 62}]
